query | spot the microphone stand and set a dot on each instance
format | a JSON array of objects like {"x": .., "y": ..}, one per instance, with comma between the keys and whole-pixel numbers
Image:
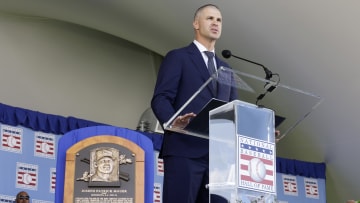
[{"x": 268, "y": 74}]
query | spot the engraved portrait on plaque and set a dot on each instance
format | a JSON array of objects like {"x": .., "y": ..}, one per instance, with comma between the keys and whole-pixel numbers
[
  {"x": 104, "y": 168},
  {"x": 104, "y": 165}
]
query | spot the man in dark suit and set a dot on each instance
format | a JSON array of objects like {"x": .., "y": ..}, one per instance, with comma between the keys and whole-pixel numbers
[{"x": 182, "y": 72}]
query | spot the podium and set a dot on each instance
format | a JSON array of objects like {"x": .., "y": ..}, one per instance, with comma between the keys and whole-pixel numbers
[
  {"x": 242, "y": 153},
  {"x": 241, "y": 134}
]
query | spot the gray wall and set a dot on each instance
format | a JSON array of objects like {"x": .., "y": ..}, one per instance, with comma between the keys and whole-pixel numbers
[{"x": 63, "y": 69}]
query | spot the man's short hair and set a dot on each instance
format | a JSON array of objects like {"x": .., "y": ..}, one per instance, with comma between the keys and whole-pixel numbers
[{"x": 202, "y": 7}]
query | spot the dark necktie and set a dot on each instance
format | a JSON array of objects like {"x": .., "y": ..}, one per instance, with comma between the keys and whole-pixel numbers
[{"x": 211, "y": 67}]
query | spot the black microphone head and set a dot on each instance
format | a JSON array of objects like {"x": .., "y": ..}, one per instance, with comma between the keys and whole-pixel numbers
[{"x": 226, "y": 53}]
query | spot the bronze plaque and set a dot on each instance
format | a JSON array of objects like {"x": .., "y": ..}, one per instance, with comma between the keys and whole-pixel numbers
[{"x": 103, "y": 169}]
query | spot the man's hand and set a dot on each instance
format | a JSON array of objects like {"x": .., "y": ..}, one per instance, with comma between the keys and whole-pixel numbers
[{"x": 183, "y": 120}]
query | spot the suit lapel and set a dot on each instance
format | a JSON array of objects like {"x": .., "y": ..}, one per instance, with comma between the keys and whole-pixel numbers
[
  {"x": 200, "y": 65},
  {"x": 198, "y": 60}
]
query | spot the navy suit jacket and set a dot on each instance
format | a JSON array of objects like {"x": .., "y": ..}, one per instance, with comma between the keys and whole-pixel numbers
[{"x": 182, "y": 72}]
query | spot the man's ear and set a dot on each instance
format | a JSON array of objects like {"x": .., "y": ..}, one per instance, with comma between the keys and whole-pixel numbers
[{"x": 196, "y": 24}]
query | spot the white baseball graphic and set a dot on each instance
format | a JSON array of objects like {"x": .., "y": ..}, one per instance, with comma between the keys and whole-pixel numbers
[
  {"x": 11, "y": 141},
  {"x": 257, "y": 170},
  {"x": 291, "y": 187},
  {"x": 27, "y": 179},
  {"x": 312, "y": 190},
  {"x": 45, "y": 147}
]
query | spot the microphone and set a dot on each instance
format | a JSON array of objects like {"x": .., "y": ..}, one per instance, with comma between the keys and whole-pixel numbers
[
  {"x": 268, "y": 73},
  {"x": 268, "y": 86}
]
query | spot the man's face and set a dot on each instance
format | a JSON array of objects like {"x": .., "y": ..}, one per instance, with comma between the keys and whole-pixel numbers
[
  {"x": 208, "y": 23},
  {"x": 105, "y": 165},
  {"x": 23, "y": 198}
]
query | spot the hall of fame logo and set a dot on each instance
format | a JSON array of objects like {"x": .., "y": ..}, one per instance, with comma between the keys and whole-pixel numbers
[
  {"x": 11, "y": 139},
  {"x": 157, "y": 192},
  {"x": 44, "y": 145},
  {"x": 6, "y": 199},
  {"x": 52, "y": 179},
  {"x": 159, "y": 165},
  {"x": 256, "y": 165},
  {"x": 290, "y": 185},
  {"x": 26, "y": 176},
  {"x": 311, "y": 188}
]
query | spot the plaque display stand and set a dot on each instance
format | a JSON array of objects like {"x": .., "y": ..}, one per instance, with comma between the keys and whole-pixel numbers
[
  {"x": 242, "y": 150},
  {"x": 82, "y": 188},
  {"x": 104, "y": 164}
]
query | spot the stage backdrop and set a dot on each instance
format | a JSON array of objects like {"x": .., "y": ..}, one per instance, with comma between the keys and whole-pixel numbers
[{"x": 28, "y": 155}]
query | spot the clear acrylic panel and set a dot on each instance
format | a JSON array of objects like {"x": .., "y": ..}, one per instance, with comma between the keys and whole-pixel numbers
[{"x": 291, "y": 105}]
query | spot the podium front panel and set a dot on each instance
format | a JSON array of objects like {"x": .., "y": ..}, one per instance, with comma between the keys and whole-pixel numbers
[{"x": 242, "y": 153}]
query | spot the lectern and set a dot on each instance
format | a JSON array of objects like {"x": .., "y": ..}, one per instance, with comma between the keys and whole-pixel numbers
[
  {"x": 242, "y": 153},
  {"x": 241, "y": 133}
]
